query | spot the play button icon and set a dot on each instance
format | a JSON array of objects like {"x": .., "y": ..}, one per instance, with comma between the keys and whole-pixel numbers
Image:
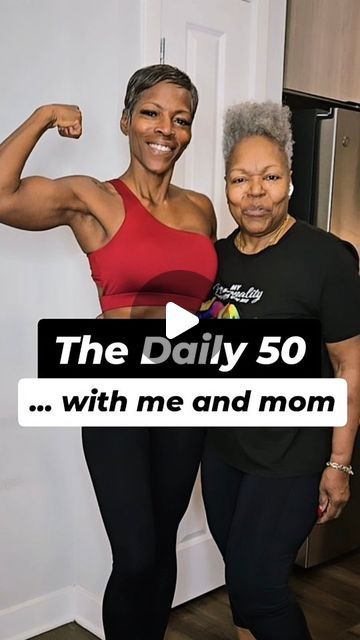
[{"x": 178, "y": 320}]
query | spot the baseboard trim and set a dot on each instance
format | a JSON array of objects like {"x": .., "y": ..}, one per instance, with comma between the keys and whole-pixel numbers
[
  {"x": 200, "y": 569},
  {"x": 88, "y": 611},
  {"x": 36, "y": 616},
  {"x": 33, "y": 617}
]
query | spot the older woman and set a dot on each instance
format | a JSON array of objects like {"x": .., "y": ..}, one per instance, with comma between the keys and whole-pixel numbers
[
  {"x": 142, "y": 235},
  {"x": 264, "y": 489}
]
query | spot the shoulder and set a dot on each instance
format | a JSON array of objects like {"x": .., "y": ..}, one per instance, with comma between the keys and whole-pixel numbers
[
  {"x": 204, "y": 204},
  {"x": 330, "y": 246},
  {"x": 202, "y": 201},
  {"x": 304, "y": 231},
  {"x": 315, "y": 235}
]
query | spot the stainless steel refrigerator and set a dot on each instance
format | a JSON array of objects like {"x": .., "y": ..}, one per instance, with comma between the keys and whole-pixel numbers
[
  {"x": 326, "y": 166},
  {"x": 326, "y": 177}
]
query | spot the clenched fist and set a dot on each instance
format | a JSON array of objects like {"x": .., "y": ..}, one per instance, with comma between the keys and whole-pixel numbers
[{"x": 67, "y": 118}]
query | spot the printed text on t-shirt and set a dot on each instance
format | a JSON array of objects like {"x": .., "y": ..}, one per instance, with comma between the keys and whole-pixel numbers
[{"x": 236, "y": 293}]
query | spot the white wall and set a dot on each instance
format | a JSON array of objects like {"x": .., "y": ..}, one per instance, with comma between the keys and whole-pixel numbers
[{"x": 81, "y": 52}]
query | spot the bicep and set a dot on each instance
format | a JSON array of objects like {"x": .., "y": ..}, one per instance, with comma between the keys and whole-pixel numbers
[
  {"x": 345, "y": 357},
  {"x": 340, "y": 295},
  {"x": 41, "y": 203}
]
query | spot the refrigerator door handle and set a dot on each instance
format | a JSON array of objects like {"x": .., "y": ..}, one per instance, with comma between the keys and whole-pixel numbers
[{"x": 327, "y": 125}]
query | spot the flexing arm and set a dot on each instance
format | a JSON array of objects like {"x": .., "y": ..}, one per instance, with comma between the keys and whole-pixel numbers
[
  {"x": 334, "y": 486},
  {"x": 38, "y": 203}
]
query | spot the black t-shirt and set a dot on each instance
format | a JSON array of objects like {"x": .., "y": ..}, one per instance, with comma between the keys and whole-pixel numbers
[{"x": 307, "y": 274}]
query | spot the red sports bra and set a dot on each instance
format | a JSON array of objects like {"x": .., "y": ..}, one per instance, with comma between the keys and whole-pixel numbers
[{"x": 147, "y": 263}]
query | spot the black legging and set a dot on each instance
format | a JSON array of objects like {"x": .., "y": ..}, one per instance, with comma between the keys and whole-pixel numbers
[
  {"x": 143, "y": 480},
  {"x": 258, "y": 524}
]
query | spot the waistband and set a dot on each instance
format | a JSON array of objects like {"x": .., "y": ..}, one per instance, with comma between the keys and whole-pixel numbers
[{"x": 148, "y": 299}]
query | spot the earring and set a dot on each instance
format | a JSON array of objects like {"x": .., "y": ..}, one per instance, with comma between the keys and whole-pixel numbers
[{"x": 291, "y": 189}]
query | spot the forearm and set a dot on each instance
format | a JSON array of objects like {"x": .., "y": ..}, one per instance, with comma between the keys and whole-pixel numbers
[
  {"x": 334, "y": 490},
  {"x": 344, "y": 437},
  {"x": 15, "y": 150}
]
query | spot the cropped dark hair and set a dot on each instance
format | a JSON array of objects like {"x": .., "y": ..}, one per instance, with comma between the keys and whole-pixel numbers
[{"x": 148, "y": 77}]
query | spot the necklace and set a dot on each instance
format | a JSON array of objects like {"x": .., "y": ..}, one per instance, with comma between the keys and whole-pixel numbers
[{"x": 240, "y": 243}]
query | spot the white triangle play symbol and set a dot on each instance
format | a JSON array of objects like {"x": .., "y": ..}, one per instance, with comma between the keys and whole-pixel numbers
[{"x": 178, "y": 320}]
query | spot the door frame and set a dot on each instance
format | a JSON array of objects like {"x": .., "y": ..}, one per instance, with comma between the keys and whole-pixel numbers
[{"x": 267, "y": 51}]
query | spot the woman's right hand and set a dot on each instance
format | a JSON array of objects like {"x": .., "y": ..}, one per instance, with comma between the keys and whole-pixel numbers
[{"x": 67, "y": 118}]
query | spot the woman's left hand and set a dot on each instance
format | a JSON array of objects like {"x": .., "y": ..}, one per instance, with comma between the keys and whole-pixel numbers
[{"x": 334, "y": 493}]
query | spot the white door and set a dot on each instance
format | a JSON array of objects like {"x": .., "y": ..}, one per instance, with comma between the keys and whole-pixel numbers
[{"x": 233, "y": 51}]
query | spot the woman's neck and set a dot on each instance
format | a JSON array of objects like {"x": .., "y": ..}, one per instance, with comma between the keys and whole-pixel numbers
[
  {"x": 151, "y": 188},
  {"x": 249, "y": 244}
]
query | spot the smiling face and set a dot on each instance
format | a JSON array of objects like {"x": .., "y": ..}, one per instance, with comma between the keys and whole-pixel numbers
[
  {"x": 159, "y": 129},
  {"x": 257, "y": 185}
]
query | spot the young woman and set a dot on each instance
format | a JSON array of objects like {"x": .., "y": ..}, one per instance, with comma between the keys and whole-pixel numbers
[{"x": 140, "y": 232}]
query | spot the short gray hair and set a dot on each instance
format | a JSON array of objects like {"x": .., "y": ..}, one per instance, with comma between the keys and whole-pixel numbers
[{"x": 258, "y": 119}]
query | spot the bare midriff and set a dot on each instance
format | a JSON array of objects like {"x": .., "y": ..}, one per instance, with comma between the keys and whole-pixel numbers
[{"x": 134, "y": 312}]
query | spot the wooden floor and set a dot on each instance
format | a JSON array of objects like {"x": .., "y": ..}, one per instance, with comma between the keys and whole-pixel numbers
[{"x": 329, "y": 595}]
